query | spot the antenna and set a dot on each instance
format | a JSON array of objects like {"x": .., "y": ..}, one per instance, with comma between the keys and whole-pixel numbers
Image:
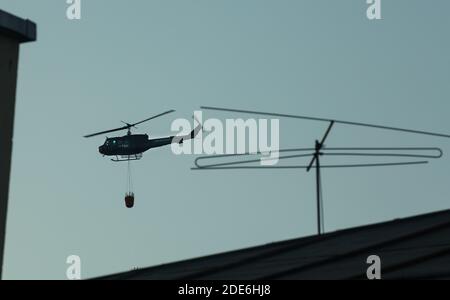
[
  {"x": 320, "y": 150},
  {"x": 316, "y": 160}
]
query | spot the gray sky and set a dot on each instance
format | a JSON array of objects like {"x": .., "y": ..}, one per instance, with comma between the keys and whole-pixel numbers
[{"x": 128, "y": 61}]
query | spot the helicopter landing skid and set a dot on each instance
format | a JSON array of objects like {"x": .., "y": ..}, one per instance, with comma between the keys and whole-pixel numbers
[{"x": 127, "y": 157}]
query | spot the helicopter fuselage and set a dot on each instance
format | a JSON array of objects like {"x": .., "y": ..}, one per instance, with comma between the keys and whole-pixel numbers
[{"x": 131, "y": 144}]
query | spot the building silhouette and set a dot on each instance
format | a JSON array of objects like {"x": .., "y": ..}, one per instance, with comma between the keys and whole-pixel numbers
[
  {"x": 13, "y": 32},
  {"x": 411, "y": 248}
]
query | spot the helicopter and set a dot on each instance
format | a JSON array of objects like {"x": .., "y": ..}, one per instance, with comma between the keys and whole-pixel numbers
[{"x": 132, "y": 146}]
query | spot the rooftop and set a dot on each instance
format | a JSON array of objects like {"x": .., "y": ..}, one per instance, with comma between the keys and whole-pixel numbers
[
  {"x": 17, "y": 28},
  {"x": 411, "y": 248}
]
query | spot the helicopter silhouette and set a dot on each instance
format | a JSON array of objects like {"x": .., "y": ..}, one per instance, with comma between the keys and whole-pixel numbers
[{"x": 132, "y": 146}]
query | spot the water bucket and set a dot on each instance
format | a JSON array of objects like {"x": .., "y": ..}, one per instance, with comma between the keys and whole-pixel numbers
[{"x": 129, "y": 200}]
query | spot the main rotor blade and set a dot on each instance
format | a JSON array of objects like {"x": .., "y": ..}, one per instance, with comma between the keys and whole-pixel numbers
[
  {"x": 129, "y": 125},
  {"x": 154, "y": 117},
  {"x": 106, "y": 131}
]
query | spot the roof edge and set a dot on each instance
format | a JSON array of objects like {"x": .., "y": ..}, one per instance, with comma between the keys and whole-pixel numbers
[
  {"x": 128, "y": 274},
  {"x": 17, "y": 28}
]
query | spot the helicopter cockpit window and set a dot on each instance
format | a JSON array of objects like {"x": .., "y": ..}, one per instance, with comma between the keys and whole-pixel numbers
[{"x": 111, "y": 142}]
